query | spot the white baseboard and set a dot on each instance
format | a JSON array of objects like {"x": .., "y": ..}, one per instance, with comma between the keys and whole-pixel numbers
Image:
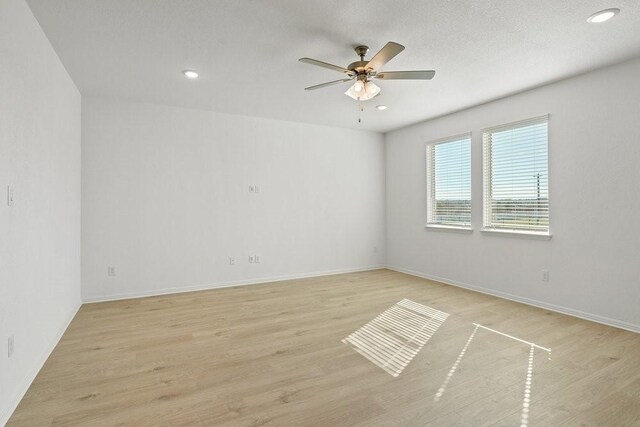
[
  {"x": 536, "y": 303},
  {"x": 7, "y": 411},
  {"x": 228, "y": 284}
]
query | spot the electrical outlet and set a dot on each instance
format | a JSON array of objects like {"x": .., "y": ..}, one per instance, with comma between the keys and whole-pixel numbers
[
  {"x": 111, "y": 271},
  {"x": 232, "y": 261},
  {"x": 252, "y": 188},
  {"x": 252, "y": 259},
  {"x": 10, "y": 346},
  {"x": 545, "y": 276},
  {"x": 256, "y": 259}
]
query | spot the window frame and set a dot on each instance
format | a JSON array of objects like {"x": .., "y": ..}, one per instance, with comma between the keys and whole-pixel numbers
[
  {"x": 487, "y": 192},
  {"x": 430, "y": 185}
]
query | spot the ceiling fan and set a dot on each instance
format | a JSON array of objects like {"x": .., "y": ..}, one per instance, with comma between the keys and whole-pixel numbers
[{"x": 363, "y": 72}]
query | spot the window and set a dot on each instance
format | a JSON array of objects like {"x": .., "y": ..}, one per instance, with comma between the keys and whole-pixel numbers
[
  {"x": 516, "y": 177},
  {"x": 449, "y": 182}
]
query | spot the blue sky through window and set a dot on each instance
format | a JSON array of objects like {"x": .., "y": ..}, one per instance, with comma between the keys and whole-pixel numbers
[
  {"x": 453, "y": 170},
  {"x": 519, "y": 167}
]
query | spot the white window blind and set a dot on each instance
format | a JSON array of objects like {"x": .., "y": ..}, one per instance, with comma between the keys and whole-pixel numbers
[
  {"x": 516, "y": 176},
  {"x": 449, "y": 182}
]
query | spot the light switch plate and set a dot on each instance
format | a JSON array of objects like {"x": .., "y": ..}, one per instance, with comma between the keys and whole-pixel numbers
[
  {"x": 9, "y": 195},
  {"x": 10, "y": 346}
]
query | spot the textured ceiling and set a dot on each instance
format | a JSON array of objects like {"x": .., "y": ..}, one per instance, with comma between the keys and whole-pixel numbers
[{"x": 247, "y": 51}]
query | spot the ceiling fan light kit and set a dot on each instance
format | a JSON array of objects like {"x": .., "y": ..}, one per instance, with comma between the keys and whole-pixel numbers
[{"x": 363, "y": 89}]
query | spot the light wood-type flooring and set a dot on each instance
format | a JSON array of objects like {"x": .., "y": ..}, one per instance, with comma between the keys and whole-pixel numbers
[{"x": 272, "y": 354}]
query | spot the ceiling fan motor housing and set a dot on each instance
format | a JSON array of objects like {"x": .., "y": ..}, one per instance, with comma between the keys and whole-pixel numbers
[{"x": 359, "y": 66}]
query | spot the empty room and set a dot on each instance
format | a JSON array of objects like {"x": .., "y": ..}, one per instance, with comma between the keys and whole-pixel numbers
[{"x": 294, "y": 213}]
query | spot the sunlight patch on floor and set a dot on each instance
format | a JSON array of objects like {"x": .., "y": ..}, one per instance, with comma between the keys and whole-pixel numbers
[
  {"x": 395, "y": 337},
  {"x": 526, "y": 401},
  {"x": 453, "y": 369}
]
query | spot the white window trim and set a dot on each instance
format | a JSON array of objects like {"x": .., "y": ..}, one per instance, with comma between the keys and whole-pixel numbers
[
  {"x": 526, "y": 234},
  {"x": 454, "y": 228},
  {"x": 510, "y": 232},
  {"x": 429, "y": 184}
]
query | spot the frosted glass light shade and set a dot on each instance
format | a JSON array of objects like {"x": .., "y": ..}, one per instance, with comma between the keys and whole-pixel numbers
[{"x": 370, "y": 91}]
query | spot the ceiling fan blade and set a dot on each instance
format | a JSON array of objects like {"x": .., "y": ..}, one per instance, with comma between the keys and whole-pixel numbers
[
  {"x": 386, "y": 54},
  {"x": 325, "y": 65},
  {"x": 321, "y": 85},
  {"x": 406, "y": 75}
]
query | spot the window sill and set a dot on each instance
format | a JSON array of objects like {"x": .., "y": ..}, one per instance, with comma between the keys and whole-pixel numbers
[
  {"x": 523, "y": 234},
  {"x": 438, "y": 227}
]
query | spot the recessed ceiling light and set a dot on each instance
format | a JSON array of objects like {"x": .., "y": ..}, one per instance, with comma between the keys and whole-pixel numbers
[
  {"x": 381, "y": 107},
  {"x": 190, "y": 74},
  {"x": 603, "y": 15}
]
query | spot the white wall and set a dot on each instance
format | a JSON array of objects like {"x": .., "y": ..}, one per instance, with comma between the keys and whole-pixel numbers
[
  {"x": 594, "y": 168},
  {"x": 165, "y": 199},
  {"x": 40, "y": 234}
]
